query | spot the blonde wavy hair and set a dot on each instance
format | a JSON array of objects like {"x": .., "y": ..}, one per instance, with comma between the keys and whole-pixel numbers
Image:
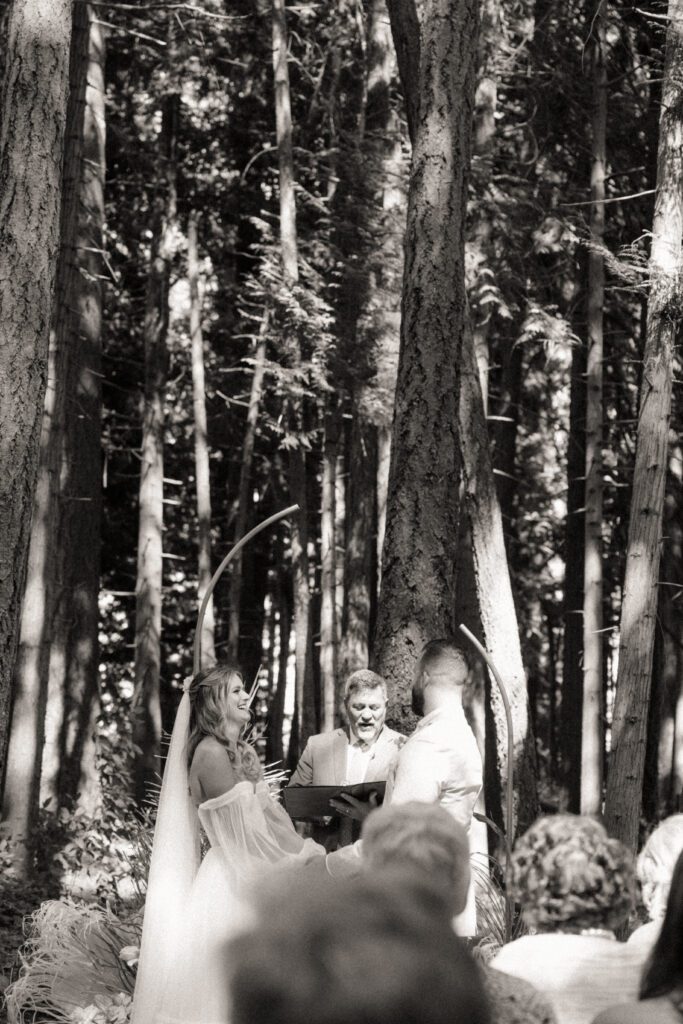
[
  {"x": 207, "y": 692},
  {"x": 569, "y": 875}
]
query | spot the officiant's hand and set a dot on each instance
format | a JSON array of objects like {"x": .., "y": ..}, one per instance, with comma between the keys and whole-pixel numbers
[{"x": 350, "y": 807}]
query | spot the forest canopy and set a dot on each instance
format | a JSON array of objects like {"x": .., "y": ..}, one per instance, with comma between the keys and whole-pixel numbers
[{"x": 414, "y": 268}]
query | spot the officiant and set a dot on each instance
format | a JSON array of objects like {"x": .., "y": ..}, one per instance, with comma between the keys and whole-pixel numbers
[{"x": 365, "y": 750}]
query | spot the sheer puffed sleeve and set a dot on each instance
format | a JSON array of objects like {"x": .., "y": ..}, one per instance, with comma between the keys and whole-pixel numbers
[{"x": 249, "y": 828}]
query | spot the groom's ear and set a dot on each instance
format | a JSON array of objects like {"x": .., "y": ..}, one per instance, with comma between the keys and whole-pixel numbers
[{"x": 417, "y": 694}]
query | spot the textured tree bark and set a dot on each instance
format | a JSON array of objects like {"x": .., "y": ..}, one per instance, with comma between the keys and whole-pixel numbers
[
  {"x": 148, "y": 590},
  {"x": 243, "y": 503},
  {"x": 494, "y": 594},
  {"x": 418, "y": 564},
  {"x": 592, "y": 744},
  {"x": 296, "y": 461},
  {"x": 626, "y": 764},
  {"x": 34, "y": 99},
  {"x": 201, "y": 443}
]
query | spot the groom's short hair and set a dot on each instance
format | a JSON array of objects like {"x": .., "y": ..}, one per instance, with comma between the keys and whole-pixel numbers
[
  {"x": 444, "y": 661},
  {"x": 344, "y": 951}
]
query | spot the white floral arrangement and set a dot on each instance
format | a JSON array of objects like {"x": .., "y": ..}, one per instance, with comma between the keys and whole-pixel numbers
[{"x": 105, "y": 1010}]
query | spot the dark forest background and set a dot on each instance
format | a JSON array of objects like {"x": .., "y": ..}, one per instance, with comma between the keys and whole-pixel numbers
[{"x": 226, "y": 333}]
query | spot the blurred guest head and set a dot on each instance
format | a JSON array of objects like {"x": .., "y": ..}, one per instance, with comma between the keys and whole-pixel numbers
[
  {"x": 442, "y": 670},
  {"x": 656, "y": 864},
  {"x": 570, "y": 876},
  {"x": 424, "y": 840},
  {"x": 664, "y": 969},
  {"x": 361, "y": 951},
  {"x": 365, "y": 704}
]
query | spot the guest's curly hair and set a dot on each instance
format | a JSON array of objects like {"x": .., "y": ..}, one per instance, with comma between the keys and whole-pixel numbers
[{"x": 569, "y": 875}]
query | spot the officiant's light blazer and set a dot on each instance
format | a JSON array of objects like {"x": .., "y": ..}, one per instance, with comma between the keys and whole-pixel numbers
[{"x": 323, "y": 762}]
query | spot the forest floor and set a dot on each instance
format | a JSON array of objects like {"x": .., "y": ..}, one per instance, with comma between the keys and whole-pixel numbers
[{"x": 89, "y": 862}]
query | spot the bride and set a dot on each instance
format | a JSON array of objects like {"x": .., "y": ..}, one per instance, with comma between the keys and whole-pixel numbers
[{"x": 213, "y": 778}]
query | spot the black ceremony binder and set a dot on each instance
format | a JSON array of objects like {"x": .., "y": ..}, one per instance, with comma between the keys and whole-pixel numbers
[{"x": 305, "y": 802}]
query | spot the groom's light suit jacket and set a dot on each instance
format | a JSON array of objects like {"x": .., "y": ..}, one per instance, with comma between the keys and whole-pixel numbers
[
  {"x": 323, "y": 763},
  {"x": 440, "y": 764}
]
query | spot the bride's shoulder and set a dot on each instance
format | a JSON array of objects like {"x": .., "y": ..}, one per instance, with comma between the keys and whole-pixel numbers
[
  {"x": 211, "y": 758},
  {"x": 211, "y": 773},
  {"x": 209, "y": 749}
]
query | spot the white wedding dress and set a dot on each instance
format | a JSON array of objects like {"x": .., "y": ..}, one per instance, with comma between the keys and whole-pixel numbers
[{"x": 193, "y": 909}]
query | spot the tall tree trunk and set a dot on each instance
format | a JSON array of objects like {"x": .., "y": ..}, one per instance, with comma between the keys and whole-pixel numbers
[
  {"x": 360, "y": 525},
  {"x": 592, "y": 744},
  {"x": 148, "y": 590},
  {"x": 301, "y": 617},
  {"x": 33, "y": 115},
  {"x": 22, "y": 778},
  {"x": 340, "y": 504},
  {"x": 201, "y": 443},
  {"x": 572, "y": 654},
  {"x": 418, "y": 579},
  {"x": 626, "y": 763},
  {"x": 484, "y": 544},
  {"x": 276, "y": 711},
  {"x": 243, "y": 503},
  {"x": 505, "y": 434},
  {"x": 296, "y": 456},
  {"x": 405, "y": 30},
  {"x": 69, "y": 756},
  {"x": 252, "y": 612},
  {"x": 383, "y": 463},
  {"x": 328, "y": 575},
  {"x": 666, "y": 738},
  {"x": 380, "y": 195},
  {"x": 485, "y": 102},
  {"x": 494, "y": 593}
]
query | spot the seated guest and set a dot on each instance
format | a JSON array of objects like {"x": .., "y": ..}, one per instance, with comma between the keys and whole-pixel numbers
[
  {"x": 575, "y": 886},
  {"x": 425, "y": 841},
  {"x": 364, "y": 751},
  {"x": 655, "y": 867},
  {"x": 661, "y": 987},
  {"x": 362, "y": 951}
]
